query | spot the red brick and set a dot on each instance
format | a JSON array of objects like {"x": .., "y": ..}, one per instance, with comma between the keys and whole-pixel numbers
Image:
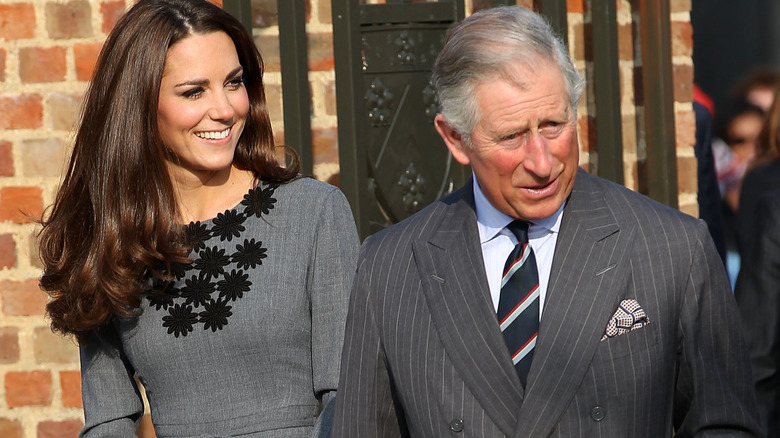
[
  {"x": 2, "y": 64},
  {"x": 269, "y": 49},
  {"x": 70, "y": 382},
  {"x": 683, "y": 82},
  {"x": 326, "y": 13},
  {"x": 686, "y": 175},
  {"x": 28, "y": 388},
  {"x": 320, "y": 52},
  {"x": 111, "y": 12},
  {"x": 580, "y": 36},
  {"x": 685, "y": 128},
  {"x": 9, "y": 348},
  {"x": 625, "y": 41},
  {"x": 579, "y": 6},
  {"x": 64, "y": 110},
  {"x": 680, "y": 6},
  {"x": 38, "y": 64},
  {"x": 24, "y": 111},
  {"x": 55, "y": 150},
  {"x": 10, "y": 428},
  {"x": 330, "y": 98},
  {"x": 264, "y": 13},
  {"x": 325, "y": 145},
  {"x": 273, "y": 100},
  {"x": 59, "y": 429},
  {"x": 86, "y": 56},
  {"x": 682, "y": 38},
  {"x": 22, "y": 298},
  {"x": 6, "y": 158},
  {"x": 7, "y": 251},
  {"x": 69, "y": 20},
  {"x": 17, "y": 21},
  {"x": 34, "y": 251},
  {"x": 50, "y": 347},
  {"x": 17, "y": 203}
]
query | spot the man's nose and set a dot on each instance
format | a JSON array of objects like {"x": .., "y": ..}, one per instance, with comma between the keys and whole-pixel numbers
[{"x": 538, "y": 160}]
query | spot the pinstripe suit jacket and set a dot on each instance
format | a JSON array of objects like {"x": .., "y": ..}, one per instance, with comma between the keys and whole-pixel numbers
[{"x": 424, "y": 356}]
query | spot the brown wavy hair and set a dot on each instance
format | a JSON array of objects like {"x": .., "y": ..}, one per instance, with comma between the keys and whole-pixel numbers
[
  {"x": 768, "y": 148},
  {"x": 114, "y": 219}
]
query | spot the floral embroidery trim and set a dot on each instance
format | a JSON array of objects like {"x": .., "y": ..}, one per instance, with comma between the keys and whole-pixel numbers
[{"x": 203, "y": 290}]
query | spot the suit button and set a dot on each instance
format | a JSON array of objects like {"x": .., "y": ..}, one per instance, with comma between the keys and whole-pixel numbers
[
  {"x": 598, "y": 413},
  {"x": 456, "y": 425}
]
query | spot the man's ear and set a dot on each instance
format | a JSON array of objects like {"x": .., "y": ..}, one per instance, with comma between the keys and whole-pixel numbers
[{"x": 453, "y": 140}]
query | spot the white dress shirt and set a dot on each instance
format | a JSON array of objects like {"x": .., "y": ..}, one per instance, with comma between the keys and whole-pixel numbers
[{"x": 497, "y": 242}]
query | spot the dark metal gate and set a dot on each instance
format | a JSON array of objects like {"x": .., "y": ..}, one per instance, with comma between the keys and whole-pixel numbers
[{"x": 392, "y": 161}]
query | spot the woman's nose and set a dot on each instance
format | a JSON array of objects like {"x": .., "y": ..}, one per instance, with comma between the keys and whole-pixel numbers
[{"x": 222, "y": 108}]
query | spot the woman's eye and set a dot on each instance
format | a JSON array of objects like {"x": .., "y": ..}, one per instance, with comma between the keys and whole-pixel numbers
[
  {"x": 236, "y": 82},
  {"x": 193, "y": 92}
]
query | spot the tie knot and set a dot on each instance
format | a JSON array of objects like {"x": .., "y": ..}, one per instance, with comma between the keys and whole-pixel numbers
[{"x": 519, "y": 229}]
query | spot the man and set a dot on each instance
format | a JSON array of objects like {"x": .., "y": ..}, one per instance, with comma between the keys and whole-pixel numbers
[
  {"x": 632, "y": 332},
  {"x": 758, "y": 299}
]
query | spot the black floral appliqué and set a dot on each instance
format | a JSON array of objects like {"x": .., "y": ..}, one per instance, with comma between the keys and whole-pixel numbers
[
  {"x": 249, "y": 254},
  {"x": 197, "y": 235},
  {"x": 233, "y": 286},
  {"x": 163, "y": 295},
  {"x": 259, "y": 201},
  {"x": 228, "y": 225},
  {"x": 212, "y": 262},
  {"x": 215, "y": 315},
  {"x": 180, "y": 320},
  {"x": 197, "y": 290},
  {"x": 220, "y": 276}
]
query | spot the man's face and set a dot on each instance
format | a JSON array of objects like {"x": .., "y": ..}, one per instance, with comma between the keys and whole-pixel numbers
[{"x": 524, "y": 149}]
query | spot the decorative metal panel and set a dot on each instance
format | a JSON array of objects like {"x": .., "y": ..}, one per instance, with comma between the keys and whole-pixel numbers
[{"x": 387, "y": 142}]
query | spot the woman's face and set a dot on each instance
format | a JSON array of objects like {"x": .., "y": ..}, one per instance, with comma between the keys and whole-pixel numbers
[{"x": 202, "y": 106}]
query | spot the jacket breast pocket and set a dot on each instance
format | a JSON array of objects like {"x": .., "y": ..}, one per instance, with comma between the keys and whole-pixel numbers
[{"x": 631, "y": 343}]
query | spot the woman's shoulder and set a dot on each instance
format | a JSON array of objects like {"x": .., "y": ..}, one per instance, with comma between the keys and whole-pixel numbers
[{"x": 305, "y": 189}]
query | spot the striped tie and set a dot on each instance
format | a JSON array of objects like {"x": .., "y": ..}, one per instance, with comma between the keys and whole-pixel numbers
[{"x": 518, "y": 305}]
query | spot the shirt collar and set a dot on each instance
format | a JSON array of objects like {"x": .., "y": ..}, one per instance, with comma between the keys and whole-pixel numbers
[{"x": 491, "y": 221}]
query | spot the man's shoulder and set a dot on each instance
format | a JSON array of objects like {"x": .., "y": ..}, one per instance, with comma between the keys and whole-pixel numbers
[
  {"x": 425, "y": 222},
  {"x": 627, "y": 204}
]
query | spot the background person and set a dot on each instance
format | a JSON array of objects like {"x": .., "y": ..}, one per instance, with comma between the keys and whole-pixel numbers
[
  {"x": 179, "y": 251},
  {"x": 758, "y": 298},
  {"x": 621, "y": 304},
  {"x": 762, "y": 176}
]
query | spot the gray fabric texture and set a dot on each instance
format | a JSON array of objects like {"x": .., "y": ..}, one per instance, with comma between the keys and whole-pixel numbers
[
  {"x": 249, "y": 351},
  {"x": 424, "y": 356}
]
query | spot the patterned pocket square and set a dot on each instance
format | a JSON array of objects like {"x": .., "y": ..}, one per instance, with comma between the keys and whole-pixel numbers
[{"x": 629, "y": 316}]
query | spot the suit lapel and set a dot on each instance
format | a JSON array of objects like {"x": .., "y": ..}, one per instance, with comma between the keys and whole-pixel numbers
[
  {"x": 581, "y": 296},
  {"x": 456, "y": 291}
]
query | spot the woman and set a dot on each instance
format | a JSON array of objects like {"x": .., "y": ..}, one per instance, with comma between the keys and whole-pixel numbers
[{"x": 181, "y": 253}]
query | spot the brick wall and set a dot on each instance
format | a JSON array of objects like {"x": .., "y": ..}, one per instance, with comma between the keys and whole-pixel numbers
[{"x": 47, "y": 53}]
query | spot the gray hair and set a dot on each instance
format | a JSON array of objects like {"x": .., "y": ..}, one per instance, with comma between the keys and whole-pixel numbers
[{"x": 486, "y": 45}]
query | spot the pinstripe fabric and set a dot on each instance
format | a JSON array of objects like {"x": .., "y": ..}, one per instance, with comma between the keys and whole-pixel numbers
[{"x": 424, "y": 356}]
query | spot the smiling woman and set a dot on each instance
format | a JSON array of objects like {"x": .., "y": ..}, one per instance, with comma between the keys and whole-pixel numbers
[{"x": 180, "y": 252}]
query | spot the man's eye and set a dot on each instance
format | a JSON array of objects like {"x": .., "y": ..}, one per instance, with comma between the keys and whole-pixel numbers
[{"x": 552, "y": 128}]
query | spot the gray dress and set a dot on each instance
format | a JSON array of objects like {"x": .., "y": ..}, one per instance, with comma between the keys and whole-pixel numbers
[{"x": 247, "y": 340}]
